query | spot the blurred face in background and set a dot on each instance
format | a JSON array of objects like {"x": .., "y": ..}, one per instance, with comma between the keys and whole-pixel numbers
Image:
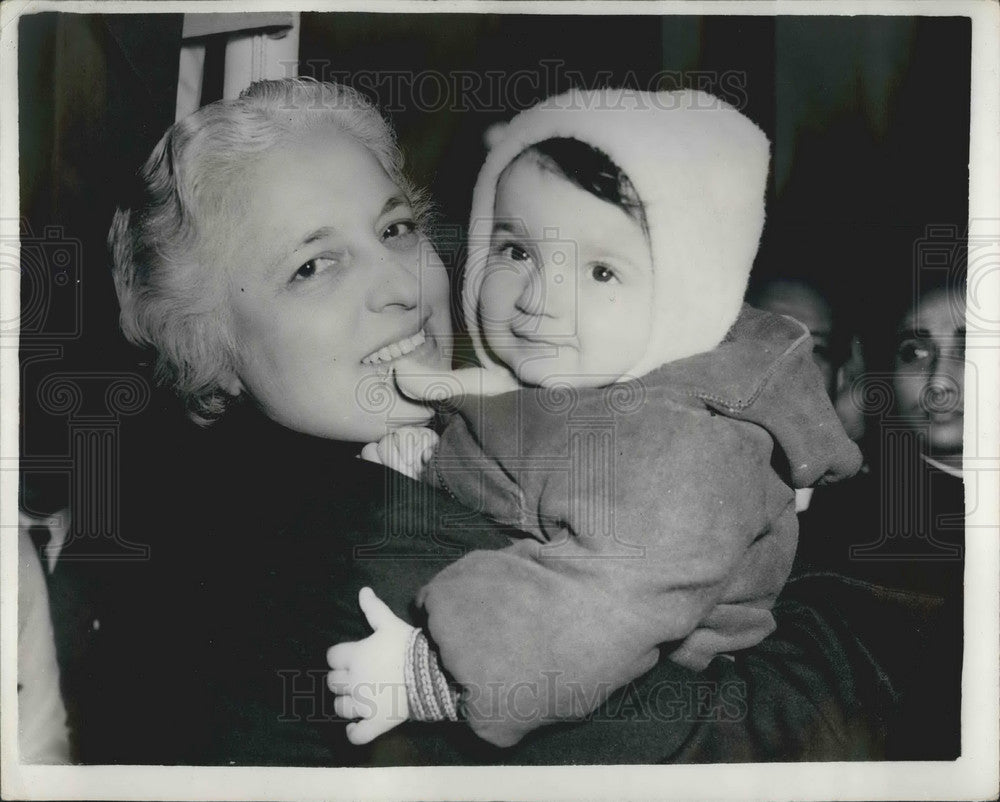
[
  {"x": 928, "y": 374},
  {"x": 800, "y": 301}
]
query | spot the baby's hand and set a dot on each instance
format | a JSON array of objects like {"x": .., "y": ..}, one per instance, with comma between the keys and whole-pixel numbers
[
  {"x": 368, "y": 675},
  {"x": 407, "y": 450}
]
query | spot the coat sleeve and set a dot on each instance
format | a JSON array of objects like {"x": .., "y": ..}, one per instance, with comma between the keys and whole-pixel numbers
[{"x": 639, "y": 550}]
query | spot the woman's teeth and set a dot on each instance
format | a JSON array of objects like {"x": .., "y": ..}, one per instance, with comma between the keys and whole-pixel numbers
[{"x": 395, "y": 350}]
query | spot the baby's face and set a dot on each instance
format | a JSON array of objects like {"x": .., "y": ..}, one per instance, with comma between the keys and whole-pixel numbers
[{"x": 567, "y": 290}]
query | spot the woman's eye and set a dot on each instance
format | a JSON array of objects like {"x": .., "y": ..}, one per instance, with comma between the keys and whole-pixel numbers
[
  {"x": 602, "y": 273},
  {"x": 822, "y": 351},
  {"x": 911, "y": 351},
  {"x": 401, "y": 234},
  {"x": 313, "y": 267}
]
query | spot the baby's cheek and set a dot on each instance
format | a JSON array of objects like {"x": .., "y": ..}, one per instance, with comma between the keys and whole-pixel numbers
[{"x": 497, "y": 314}]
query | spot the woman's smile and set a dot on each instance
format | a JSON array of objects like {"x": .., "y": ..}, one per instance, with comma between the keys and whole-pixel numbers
[
  {"x": 395, "y": 350},
  {"x": 420, "y": 347}
]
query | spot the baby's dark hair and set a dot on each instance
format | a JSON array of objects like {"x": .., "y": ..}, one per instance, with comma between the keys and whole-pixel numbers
[{"x": 592, "y": 171}]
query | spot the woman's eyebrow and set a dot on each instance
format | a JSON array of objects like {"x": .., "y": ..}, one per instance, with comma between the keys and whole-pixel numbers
[
  {"x": 394, "y": 203},
  {"x": 318, "y": 234},
  {"x": 283, "y": 254},
  {"x": 926, "y": 334},
  {"x": 326, "y": 231},
  {"x": 322, "y": 233}
]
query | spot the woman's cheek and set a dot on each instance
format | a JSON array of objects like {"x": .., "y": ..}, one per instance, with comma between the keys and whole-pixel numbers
[
  {"x": 907, "y": 389},
  {"x": 436, "y": 278}
]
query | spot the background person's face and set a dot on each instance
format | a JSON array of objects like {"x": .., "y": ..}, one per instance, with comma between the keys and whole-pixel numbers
[
  {"x": 567, "y": 291},
  {"x": 928, "y": 377},
  {"x": 330, "y": 284},
  {"x": 802, "y": 302}
]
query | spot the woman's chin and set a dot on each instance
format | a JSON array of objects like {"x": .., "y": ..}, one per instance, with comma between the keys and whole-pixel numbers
[
  {"x": 948, "y": 453},
  {"x": 943, "y": 441}
]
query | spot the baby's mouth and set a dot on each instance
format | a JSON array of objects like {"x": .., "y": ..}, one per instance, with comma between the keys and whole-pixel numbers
[{"x": 395, "y": 350}]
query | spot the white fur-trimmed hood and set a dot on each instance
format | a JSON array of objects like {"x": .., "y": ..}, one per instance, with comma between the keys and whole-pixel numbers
[{"x": 699, "y": 168}]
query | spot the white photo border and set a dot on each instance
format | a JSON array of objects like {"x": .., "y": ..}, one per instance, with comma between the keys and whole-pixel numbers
[{"x": 973, "y": 776}]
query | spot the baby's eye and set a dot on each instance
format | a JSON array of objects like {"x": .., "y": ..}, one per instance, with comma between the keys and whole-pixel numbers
[
  {"x": 401, "y": 234},
  {"x": 314, "y": 267},
  {"x": 514, "y": 252},
  {"x": 602, "y": 273}
]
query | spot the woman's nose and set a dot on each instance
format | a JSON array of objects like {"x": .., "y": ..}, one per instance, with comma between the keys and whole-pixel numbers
[
  {"x": 944, "y": 389},
  {"x": 395, "y": 284}
]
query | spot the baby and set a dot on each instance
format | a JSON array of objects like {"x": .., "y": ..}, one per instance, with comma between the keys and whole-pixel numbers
[{"x": 652, "y": 441}]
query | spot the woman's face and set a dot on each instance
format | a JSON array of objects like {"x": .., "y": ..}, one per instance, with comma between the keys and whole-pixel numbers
[
  {"x": 928, "y": 378},
  {"x": 330, "y": 284}
]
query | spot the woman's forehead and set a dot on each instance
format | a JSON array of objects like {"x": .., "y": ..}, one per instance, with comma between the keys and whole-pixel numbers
[
  {"x": 938, "y": 311},
  {"x": 320, "y": 180},
  {"x": 316, "y": 158}
]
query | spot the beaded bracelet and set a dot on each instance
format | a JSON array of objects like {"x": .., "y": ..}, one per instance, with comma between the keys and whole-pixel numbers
[{"x": 428, "y": 692}]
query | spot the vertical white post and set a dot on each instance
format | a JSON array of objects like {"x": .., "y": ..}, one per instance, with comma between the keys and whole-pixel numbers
[
  {"x": 257, "y": 55},
  {"x": 190, "y": 77}
]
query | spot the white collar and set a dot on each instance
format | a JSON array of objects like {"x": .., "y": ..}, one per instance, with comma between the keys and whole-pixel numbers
[
  {"x": 58, "y": 526},
  {"x": 948, "y": 469}
]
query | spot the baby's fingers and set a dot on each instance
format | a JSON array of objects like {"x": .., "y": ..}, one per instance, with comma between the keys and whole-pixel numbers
[
  {"x": 376, "y": 611},
  {"x": 370, "y": 454},
  {"x": 367, "y": 730},
  {"x": 341, "y": 655},
  {"x": 388, "y": 450},
  {"x": 339, "y": 680},
  {"x": 346, "y": 707}
]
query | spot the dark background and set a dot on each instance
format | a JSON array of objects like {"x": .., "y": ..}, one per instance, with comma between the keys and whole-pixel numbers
[{"x": 869, "y": 119}]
